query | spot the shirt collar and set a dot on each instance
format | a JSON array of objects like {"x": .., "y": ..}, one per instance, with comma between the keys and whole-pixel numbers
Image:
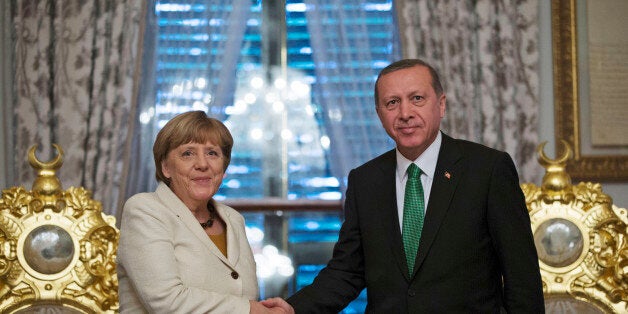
[{"x": 426, "y": 161}]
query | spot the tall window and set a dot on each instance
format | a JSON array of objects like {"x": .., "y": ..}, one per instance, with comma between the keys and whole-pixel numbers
[
  {"x": 300, "y": 123},
  {"x": 293, "y": 81}
]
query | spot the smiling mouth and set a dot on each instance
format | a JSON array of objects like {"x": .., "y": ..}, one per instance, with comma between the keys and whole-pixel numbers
[{"x": 407, "y": 129}]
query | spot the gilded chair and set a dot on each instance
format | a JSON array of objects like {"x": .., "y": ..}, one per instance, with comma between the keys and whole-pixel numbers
[
  {"x": 57, "y": 248},
  {"x": 581, "y": 241}
]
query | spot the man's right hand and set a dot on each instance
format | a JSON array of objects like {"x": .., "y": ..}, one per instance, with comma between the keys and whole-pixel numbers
[{"x": 278, "y": 303}]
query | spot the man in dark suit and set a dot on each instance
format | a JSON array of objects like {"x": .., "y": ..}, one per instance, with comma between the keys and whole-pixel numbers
[{"x": 475, "y": 251}]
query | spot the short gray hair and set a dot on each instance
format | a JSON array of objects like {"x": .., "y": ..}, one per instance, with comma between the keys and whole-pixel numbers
[{"x": 409, "y": 63}]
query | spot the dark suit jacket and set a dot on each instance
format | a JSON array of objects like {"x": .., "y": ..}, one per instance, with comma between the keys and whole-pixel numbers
[{"x": 476, "y": 253}]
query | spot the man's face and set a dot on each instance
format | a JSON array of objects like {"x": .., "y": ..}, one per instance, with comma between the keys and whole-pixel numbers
[{"x": 409, "y": 109}]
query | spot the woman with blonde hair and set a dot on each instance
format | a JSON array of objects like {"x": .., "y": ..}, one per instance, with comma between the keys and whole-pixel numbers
[{"x": 181, "y": 251}]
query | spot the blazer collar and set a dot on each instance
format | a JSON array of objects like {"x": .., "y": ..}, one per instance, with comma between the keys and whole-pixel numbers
[
  {"x": 174, "y": 203},
  {"x": 387, "y": 204}
]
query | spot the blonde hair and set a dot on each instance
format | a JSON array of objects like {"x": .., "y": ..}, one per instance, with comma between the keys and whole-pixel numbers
[{"x": 190, "y": 127}]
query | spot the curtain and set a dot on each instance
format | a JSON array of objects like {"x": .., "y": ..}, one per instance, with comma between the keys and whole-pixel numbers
[
  {"x": 487, "y": 54},
  {"x": 345, "y": 50},
  {"x": 75, "y": 67},
  {"x": 6, "y": 80},
  {"x": 166, "y": 65}
]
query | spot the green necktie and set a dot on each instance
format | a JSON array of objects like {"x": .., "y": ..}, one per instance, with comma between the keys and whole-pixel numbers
[{"x": 413, "y": 214}]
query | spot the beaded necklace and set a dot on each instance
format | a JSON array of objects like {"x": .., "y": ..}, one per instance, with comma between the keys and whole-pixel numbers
[{"x": 212, "y": 217}]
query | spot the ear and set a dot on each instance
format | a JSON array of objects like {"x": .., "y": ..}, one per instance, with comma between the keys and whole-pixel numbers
[
  {"x": 165, "y": 169},
  {"x": 442, "y": 101}
]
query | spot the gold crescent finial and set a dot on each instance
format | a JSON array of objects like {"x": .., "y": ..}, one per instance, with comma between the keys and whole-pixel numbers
[
  {"x": 52, "y": 164},
  {"x": 562, "y": 160},
  {"x": 46, "y": 182},
  {"x": 556, "y": 179}
]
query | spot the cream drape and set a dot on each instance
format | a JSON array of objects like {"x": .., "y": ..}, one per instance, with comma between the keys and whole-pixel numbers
[
  {"x": 75, "y": 63},
  {"x": 487, "y": 53}
]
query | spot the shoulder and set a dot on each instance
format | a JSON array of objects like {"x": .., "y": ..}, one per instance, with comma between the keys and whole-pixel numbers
[
  {"x": 469, "y": 146},
  {"x": 229, "y": 212},
  {"x": 140, "y": 200},
  {"x": 480, "y": 160},
  {"x": 162, "y": 198},
  {"x": 375, "y": 172},
  {"x": 383, "y": 161},
  {"x": 145, "y": 207},
  {"x": 472, "y": 151}
]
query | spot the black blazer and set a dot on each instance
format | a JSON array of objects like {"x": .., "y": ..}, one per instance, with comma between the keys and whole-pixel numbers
[{"x": 476, "y": 253}]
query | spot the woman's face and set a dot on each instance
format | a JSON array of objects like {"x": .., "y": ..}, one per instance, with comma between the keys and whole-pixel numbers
[{"x": 195, "y": 171}]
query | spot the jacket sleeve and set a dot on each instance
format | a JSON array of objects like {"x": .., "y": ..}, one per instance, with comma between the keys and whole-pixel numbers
[
  {"x": 343, "y": 278},
  {"x": 509, "y": 226}
]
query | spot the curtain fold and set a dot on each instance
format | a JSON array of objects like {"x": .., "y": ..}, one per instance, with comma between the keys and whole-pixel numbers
[
  {"x": 487, "y": 54},
  {"x": 75, "y": 63},
  {"x": 341, "y": 51},
  {"x": 166, "y": 65},
  {"x": 6, "y": 94}
]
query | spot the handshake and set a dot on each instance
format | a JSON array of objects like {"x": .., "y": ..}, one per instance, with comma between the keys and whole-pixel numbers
[{"x": 272, "y": 305}]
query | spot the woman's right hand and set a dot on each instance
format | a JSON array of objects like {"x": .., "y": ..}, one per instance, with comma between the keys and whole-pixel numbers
[{"x": 259, "y": 308}]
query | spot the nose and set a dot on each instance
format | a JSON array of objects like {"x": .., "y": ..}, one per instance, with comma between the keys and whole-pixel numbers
[
  {"x": 405, "y": 110},
  {"x": 201, "y": 163}
]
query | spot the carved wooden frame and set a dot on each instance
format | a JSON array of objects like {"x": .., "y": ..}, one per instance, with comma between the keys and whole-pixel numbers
[{"x": 565, "y": 59}]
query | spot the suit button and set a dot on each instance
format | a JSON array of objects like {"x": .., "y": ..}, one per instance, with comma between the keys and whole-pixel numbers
[
  {"x": 234, "y": 275},
  {"x": 411, "y": 293}
]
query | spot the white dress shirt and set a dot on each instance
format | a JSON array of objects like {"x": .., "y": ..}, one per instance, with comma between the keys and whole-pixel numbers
[{"x": 427, "y": 163}]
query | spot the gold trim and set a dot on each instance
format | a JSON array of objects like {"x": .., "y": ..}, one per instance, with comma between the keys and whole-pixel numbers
[
  {"x": 597, "y": 276},
  {"x": 82, "y": 278},
  {"x": 564, "y": 43}
]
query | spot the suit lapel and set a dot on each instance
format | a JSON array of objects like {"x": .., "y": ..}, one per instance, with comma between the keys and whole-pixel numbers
[
  {"x": 233, "y": 243},
  {"x": 446, "y": 177},
  {"x": 387, "y": 205},
  {"x": 174, "y": 204}
]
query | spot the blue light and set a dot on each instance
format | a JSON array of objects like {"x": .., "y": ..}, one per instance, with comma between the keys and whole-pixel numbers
[
  {"x": 296, "y": 7},
  {"x": 330, "y": 196},
  {"x": 382, "y": 7},
  {"x": 312, "y": 225},
  {"x": 234, "y": 184},
  {"x": 237, "y": 169},
  {"x": 171, "y": 7},
  {"x": 322, "y": 182}
]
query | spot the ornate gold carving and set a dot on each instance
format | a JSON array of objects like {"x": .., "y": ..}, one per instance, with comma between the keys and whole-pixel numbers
[
  {"x": 598, "y": 272},
  {"x": 565, "y": 55},
  {"x": 87, "y": 280}
]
